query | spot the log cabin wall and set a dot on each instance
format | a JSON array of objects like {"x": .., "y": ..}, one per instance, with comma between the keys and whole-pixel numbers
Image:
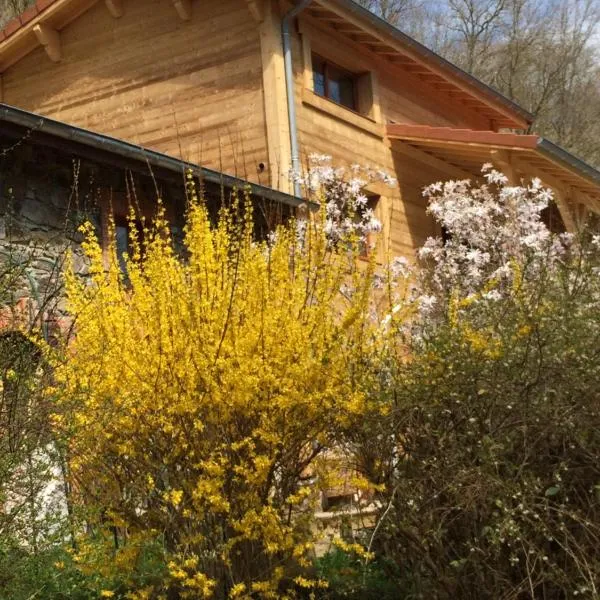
[
  {"x": 350, "y": 137},
  {"x": 191, "y": 89}
]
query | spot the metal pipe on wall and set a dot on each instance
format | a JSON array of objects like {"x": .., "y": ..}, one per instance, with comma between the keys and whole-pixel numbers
[{"x": 289, "y": 86}]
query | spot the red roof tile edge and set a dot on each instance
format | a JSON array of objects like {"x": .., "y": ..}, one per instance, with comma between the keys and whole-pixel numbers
[{"x": 27, "y": 15}]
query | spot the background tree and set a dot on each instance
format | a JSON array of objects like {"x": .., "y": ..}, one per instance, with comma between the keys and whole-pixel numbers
[{"x": 34, "y": 508}]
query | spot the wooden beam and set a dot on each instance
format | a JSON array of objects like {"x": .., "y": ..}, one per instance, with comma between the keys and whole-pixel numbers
[
  {"x": 257, "y": 9},
  {"x": 581, "y": 213},
  {"x": 183, "y": 8},
  {"x": 115, "y": 8},
  {"x": 502, "y": 160},
  {"x": 275, "y": 105},
  {"x": 50, "y": 39},
  {"x": 588, "y": 200},
  {"x": 432, "y": 161},
  {"x": 566, "y": 214}
]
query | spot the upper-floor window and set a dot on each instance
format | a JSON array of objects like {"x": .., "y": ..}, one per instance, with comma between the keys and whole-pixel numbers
[{"x": 334, "y": 83}]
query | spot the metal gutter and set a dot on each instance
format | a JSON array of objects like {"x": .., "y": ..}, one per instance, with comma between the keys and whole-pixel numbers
[
  {"x": 554, "y": 152},
  {"x": 35, "y": 122},
  {"x": 406, "y": 40},
  {"x": 289, "y": 87}
]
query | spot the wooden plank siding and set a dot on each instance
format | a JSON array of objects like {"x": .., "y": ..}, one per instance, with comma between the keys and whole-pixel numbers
[
  {"x": 192, "y": 89},
  {"x": 327, "y": 128}
]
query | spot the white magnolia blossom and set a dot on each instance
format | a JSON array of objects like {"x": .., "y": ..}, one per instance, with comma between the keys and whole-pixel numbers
[
  {"x": 487, "y": 229},
  {"x": 341, "y": 193}
]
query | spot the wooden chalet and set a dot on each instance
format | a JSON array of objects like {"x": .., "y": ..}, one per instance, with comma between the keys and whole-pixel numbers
[{"x": 252, "y": 87}]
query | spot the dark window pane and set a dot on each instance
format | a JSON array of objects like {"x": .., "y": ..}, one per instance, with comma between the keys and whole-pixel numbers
[
  {"x": 346, "y": 91},
  {"x": 122, "y": 241},
  {"x": 334, "y": 91},
  {"x": 318, "y": 76},
  {"x": 124, "y": 236},
  {"x": 319, "y": 84}
]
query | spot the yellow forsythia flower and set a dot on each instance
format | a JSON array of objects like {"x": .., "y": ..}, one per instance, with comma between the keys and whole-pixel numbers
[{"x": 194, "y": 392}]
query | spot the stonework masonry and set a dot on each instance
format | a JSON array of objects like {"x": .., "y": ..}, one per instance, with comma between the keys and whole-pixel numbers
[{"x": 40, "y": 210}]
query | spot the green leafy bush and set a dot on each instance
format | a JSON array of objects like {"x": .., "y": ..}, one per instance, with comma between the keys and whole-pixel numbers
[{"x": 351, "y": 578}]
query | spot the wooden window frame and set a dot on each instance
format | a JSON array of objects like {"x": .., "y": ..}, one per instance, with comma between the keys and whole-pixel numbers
[
  {"x": 328, "y": 66},
  {"x": 367, "y": 113}
]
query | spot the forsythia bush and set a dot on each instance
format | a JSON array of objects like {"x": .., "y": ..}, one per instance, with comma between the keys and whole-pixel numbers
[{"x": 200, "y": 389}]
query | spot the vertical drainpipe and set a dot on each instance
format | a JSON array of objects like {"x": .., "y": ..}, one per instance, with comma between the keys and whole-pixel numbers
[{"x": 289, "y": 85}]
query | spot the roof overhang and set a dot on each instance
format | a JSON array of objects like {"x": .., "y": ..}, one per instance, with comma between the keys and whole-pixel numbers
[
  {"x": 405, "y": 53},
  {"x": 19, "y": 38},
  {"x": 462, "y": 152},
  {"x": 108, "y": 150}
]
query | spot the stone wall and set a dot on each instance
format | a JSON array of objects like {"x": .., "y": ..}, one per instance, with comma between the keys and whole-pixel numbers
[{"x": 43, "y": 200}]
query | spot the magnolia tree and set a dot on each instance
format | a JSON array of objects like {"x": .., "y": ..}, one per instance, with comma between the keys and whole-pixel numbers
[
  {"x": 490, "y": 230},
  {"x": 491, "y": 234},
  {"x": 485, "y": 438},
  {"x": 346, "y": 215}
]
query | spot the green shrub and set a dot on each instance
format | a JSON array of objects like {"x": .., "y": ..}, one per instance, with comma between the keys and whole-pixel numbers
[{"x": 349, "y": 578}]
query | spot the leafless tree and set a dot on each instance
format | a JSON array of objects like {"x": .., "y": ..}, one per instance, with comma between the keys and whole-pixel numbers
[
  {"x": 476, "y": 25},
  {"x": 543, "y": 55},
  {"x": 398, "y": 12}
]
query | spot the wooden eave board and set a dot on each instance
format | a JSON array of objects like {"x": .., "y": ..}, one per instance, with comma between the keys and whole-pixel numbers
[
  {"x": 440, "y": 80},
  {"x": 452, "y": 135}
]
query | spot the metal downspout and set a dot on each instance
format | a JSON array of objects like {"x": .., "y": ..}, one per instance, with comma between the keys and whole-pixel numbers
[{"x": 289, "y": 85}]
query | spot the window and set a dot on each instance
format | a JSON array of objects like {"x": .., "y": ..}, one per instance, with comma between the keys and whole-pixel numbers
[
  {"x": 334, "y": 83},
  {"x": 124, "y": 237},
  {"x": 552, "y": 219},
  {"x": 337, "y": 501}
]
